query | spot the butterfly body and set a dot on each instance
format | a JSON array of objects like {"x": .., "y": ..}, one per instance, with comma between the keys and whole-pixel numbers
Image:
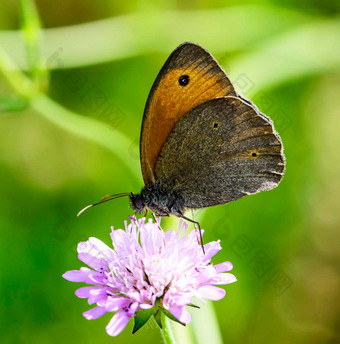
[{"x": 159, "y": 199}]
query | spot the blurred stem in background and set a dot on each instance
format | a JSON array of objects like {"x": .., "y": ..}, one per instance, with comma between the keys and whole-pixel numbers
[
  {"x": 31, "y": 30},
  {"x": 230, "y": 29},
  {"x": 302, "y": 46}
]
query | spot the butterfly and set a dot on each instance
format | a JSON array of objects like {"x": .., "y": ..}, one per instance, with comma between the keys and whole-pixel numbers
[{"x": 202, "y": 144}]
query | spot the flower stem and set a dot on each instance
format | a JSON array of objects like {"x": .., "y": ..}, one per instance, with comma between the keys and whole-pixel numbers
[
  {"x": 167, "y": 334},
  {"x": 205, "y": 325}
]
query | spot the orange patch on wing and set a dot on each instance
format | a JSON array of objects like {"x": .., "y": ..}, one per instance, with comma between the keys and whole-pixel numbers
[{"x": 170, "y": 102}]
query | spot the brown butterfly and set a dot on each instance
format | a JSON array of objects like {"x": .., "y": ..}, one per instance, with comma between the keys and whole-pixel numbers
[{"x": 202, "y": 144}]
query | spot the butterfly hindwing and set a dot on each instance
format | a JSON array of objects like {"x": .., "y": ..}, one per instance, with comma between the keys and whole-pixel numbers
[
  {"x": 190, "y": 76},
  {"x": 220, "y": 151}
]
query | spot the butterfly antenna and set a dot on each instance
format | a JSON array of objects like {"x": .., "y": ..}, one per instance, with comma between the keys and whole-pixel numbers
[{"x": 106, "y": 198}]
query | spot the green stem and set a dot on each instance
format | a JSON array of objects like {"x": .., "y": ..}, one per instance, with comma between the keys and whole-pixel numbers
[
  {"x": 167, "y": 333},
  {"x": 205, "y": 325},
  {"x": 18, "y": 81},
  {"x": 90, "y": 129}
]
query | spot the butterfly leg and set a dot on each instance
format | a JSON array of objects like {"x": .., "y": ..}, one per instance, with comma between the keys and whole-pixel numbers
[
  {"x": 199, "y": 229},
  {"x": 193, "y": 218},
  {"x": 159, "y": 215},
  {"x": 200, "y": 239}
]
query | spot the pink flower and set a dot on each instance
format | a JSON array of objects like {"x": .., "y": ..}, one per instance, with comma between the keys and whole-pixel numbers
[{"x": 148, "y": 272}]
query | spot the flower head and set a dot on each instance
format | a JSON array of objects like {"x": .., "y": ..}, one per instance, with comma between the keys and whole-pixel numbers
[{"x": 149, "y": 271}]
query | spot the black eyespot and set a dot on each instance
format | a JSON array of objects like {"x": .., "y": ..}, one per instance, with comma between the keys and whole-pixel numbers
[
  {"x": 253, "y": 154},
  {"x": 215, "y": 125},
  {"x": 183, "y": 80}
]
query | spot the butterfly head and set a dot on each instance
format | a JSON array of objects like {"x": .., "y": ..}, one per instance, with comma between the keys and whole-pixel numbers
[{"x": 137, "y": 203}]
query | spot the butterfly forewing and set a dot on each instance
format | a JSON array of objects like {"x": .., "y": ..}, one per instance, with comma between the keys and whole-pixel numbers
[
  {"x": 189, "y": 77},
  {"x": 220, "y": 151}
]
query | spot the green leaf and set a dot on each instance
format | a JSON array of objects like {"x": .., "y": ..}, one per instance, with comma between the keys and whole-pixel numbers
[{"x": 142, "y": 317}]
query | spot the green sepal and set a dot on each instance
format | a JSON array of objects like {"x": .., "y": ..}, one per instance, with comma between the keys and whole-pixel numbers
[
  {"x": 170, "y": 316},
  {"x": 158, "y": 318},
  {"x": 142, "y": 317},
  {"x": 192, "y": 305}
]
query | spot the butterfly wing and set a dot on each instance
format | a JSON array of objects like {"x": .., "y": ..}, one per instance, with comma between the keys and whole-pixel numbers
[
  {"x": 220, "y": 151},
  {"x": 189, "y": 77}
]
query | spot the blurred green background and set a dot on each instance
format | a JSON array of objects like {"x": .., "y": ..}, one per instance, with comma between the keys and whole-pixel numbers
[{"x": 75, "y": 139}]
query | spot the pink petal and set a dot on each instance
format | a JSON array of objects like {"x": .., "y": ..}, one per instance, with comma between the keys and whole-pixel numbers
[
  {"x": 134, "y": 295},
  {"x": 96, "y": 248},
  {"x": 96, "y": 278},
  {"x": 86, "y": 292},
  {"x": 96, "y": 299},
  {"x": 180, "y": 299},
  {"x": 77, "y": 275},
  {"x": 210, "y": 292},
  {"x": 225, "y": 266},
  {"x": 92, "y": 261},
  {"x": 151, "y": 239},
  {"x": 119, "y": 238},
  {"x": 103, "y": 251},
  {"x": 206, "y": 274},
  {"x": 133, "y": 308},
  {"x": 146, "y": 305},
  {"x": 113, "y": 304},
  {"x": 117, "y": 323},
  {"x": 211, "y": 249},
  {"x": 223, "y": 278},
  {"x": 181, "y": 313},
  {"x": 94, "y": 313}
]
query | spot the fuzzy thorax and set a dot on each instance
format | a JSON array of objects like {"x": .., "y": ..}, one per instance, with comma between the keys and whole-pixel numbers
[{"x": 158, "y": 200}]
